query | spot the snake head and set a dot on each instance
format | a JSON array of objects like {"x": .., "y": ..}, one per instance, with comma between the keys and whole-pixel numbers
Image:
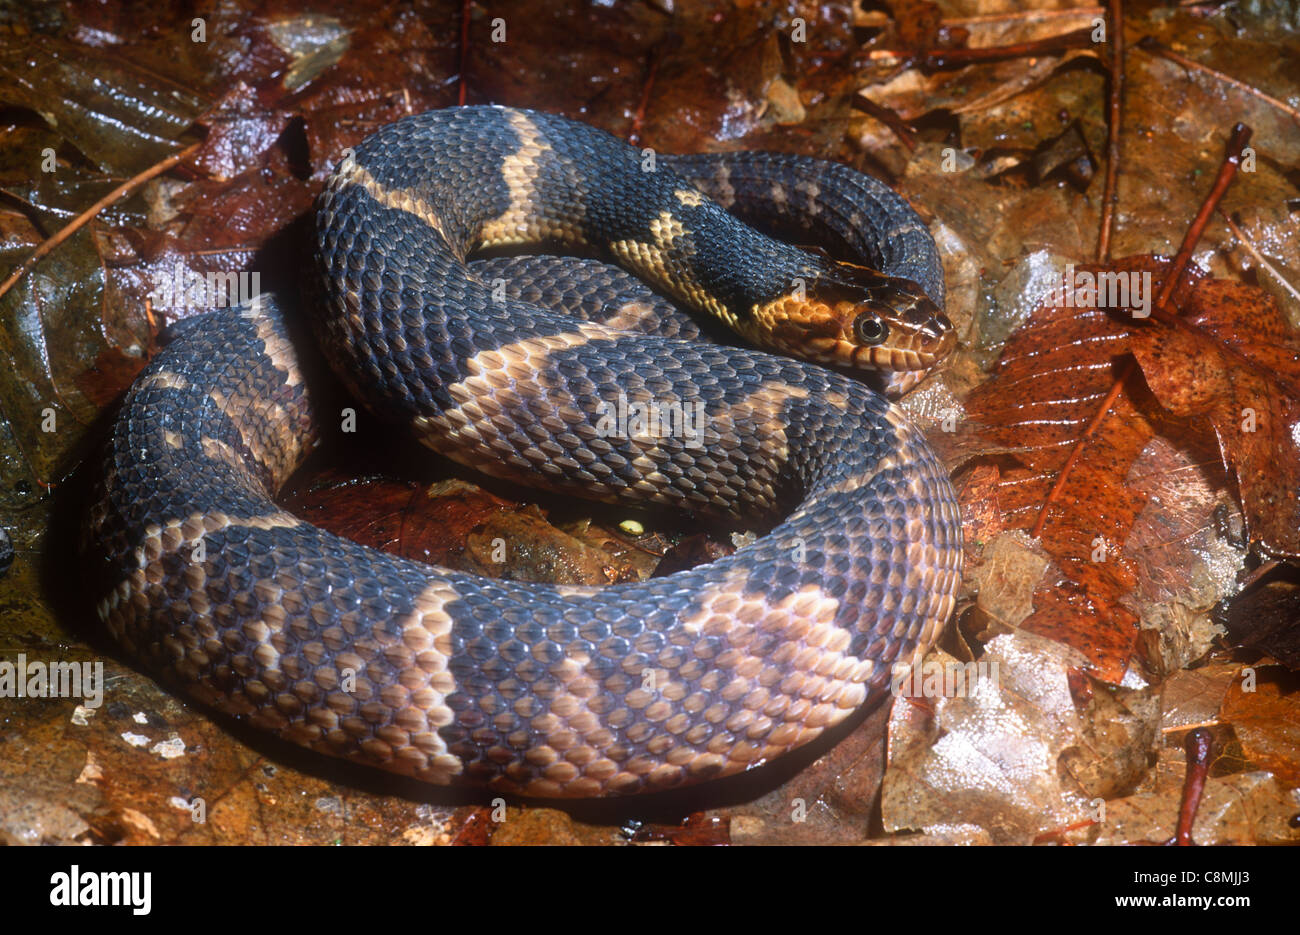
[{"x": 852, "y": 316}]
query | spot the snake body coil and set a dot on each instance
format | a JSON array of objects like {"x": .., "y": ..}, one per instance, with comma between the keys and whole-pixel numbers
[{"x": 543, "y": 690}]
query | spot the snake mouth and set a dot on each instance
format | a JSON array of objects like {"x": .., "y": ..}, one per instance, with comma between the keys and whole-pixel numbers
[{"x": 893, "y": 358}]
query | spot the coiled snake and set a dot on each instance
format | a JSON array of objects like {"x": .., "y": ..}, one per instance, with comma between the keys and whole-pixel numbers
[{"x": 550, "y": 690}]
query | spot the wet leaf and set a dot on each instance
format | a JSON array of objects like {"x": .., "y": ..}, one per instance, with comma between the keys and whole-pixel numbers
[
  {"x": 989, "y": 758},
  {"x": 1193, "y": 697},
  {"x": 1266, "y": 720},
  {"x": 1233, "y": 358},
  {"x": 1117, "y": 741},
  {"x": 121, "y": 118},
  {"x": 1267, "y": 620},
  {"x": 1238, "y": 809},
  {"x": 455, "y": 524},
  {"x": 1043, "y": 402}
]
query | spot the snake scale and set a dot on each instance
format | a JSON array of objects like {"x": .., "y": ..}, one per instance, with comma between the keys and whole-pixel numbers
[{"x": 545, "y": 690}]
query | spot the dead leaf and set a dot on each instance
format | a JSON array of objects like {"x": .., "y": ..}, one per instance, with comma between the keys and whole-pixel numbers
[
  {"x": 1233, "y": 357},
  {"x": 1243, "y": 808},
  {"x": 989, "y": 759},
  {"x": 1042, "y": 400},
  {"x": 1266, "y": 720},
  {"x": 1193, "y": 697}
]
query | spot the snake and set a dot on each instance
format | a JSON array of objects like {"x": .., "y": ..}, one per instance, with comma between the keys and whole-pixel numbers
[{"x": 512, "y": 366}]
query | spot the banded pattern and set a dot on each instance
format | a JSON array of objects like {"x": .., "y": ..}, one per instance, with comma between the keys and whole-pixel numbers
[{"x": 541, "y": 690}]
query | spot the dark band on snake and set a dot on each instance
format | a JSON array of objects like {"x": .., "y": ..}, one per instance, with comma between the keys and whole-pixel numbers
[{"x": 503, "y": 365}]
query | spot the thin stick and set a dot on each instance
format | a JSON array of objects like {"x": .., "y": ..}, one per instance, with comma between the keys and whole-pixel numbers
[
  {"x": 661, "y": 50},
  {"x": 1034, "y": 15},
  {"x": 84, "y": 218},
  {"x": 1200, "y": 750},
  {"x": 1110, "y": 195},
  {"x": 953, "y": 58},
  {"x": 1227, "y": 172},
  {"x": 643, "y": 105}
]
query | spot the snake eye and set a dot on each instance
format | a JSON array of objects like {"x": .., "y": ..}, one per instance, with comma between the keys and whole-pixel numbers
[{"x": 869, "y": 329}]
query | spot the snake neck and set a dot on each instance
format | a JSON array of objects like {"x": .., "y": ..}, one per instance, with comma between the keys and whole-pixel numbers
[{"x": 553, "y": 185}]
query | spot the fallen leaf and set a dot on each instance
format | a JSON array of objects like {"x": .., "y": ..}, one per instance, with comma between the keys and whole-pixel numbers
[
  {"x": 1243, "y": 808},
  {"x": 1231, "y": 356},
  {"x": 1266, "y": 720},
  {"x": 989, "y": 759}
]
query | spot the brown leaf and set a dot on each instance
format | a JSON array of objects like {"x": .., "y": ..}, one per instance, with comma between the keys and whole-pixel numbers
[
  {"x": 1243, "y": 808},
  {"x": 240, "y": 130},
  {"x": 698, "y": 829},
  {"x": 989, "y": 758},
  {"x": 1193, "y": 697},
  {"x": 1185, "y": 559},
  {"x": 1067, "y": 156},
  {"x": 830, "y": 801},
  {"x": 1178, "y": 533},
  {"x": 121, "y": 117},
  {"x": 455, "y": 524},
  {"x": 981, "y": 515},
  {"x": 1117, "y": 741},
  {"x": 1007, "y": 577},
  {"x": 1234, "y": 358},
  {"x": 918, "y": 23},
  {"x": 1266, "y": 618},
  {"x": 1042, "y": 401},
  {"x": 1266, "y": 720}
]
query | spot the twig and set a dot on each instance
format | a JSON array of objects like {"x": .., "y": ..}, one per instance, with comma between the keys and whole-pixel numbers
[
  {"x": 638, "y": 118},
  {"x": 668, "y": 45},
  {"x": 1110, "y": 195},
  {"x": 955, "y": 58},
  {"x": 1227, "y": 172},
  {"x": 1034, "y": 15},
  {"x": 888, "y": 116},
  {"x": 82, "y": 219},
  {"x": 1200, "y": 749}
]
